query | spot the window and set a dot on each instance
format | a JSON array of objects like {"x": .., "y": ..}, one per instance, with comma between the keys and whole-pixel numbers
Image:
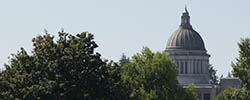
[
  {"x": 182, "y": 67},
  {"x": 206, "y": 96},
  {"x": 194, "y": 70},
  {"x": 186, "y": 67},
  {"x": 198, "y": 69},
  {"x": 178, "y": 66},
  {"x": 201, "y": 66}
]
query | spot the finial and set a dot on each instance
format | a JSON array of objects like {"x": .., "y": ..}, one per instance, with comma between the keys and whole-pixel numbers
[
  {"x": 185, "y": 19},
  {"x": 186, "y": 11}
]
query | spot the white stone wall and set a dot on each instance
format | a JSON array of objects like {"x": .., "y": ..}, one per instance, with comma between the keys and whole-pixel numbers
[
  {"x": 197, "y": 70},
  {"x": 192, "y": 66}
]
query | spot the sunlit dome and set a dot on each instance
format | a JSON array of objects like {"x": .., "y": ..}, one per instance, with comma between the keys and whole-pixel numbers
[{"x": 185, "y": 37}]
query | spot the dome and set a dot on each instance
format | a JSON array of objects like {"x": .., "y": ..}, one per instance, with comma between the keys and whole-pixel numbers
[{"x": 185, "y": 37}]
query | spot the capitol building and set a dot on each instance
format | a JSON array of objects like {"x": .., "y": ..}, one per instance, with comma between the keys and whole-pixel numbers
[{"x": 187, "y": 49}]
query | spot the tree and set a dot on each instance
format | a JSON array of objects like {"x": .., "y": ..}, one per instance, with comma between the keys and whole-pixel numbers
[
  {"x": 119, "y": 90},
  {"x": 213, "y": 76},
  {"x": 124, "y": 59},
  {"x": 233, "y": 94},
  {"x": 66, "y": 69},
  {"x": 153, "y": 76},
  {"x": 229, "y": 75},
  {"x": 241, "y": 68},
  {"x": 191, "y": 94}
]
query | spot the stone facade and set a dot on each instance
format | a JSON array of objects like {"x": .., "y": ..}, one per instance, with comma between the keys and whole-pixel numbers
[{"x": 192, "y": 65}]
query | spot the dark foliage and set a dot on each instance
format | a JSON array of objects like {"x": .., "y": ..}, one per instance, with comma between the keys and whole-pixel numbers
[{"x": 66, "y": 69}]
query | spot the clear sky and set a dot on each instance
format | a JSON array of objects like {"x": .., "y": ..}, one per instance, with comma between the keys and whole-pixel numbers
[{"x": 125, "y": 26}]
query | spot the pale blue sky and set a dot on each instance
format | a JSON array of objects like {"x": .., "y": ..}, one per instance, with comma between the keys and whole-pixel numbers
[{"x": 125, "y": 26}]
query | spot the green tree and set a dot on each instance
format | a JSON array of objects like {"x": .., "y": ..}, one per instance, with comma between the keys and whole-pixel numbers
[
  {"x": 153, "y": 76},
  {"x": 191, "y": 92},
  {"x": 65, "y": 69},
  {"x": 233, "y": 94},
  {"x": 241, "y": 68},
  {"x": 213, "y": 76},
  {"x": 124, "y": 59},
  {"x": 119, "y": 90}
]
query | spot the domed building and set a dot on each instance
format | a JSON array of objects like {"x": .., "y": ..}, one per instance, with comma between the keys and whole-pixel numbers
[{"x": 187, "y": 49}]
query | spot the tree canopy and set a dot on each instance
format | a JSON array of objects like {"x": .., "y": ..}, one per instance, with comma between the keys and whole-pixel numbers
[
  {"x": 153, "y": 76},
  {"x": 233, "y": 94},
  {"x": 241, "y": 68},
  {"x": 68, "y": 68},
  {"x": 65, "y": 69},
  {"x": 213, "y": 76},
  {"x": 123, "y": 60}
]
